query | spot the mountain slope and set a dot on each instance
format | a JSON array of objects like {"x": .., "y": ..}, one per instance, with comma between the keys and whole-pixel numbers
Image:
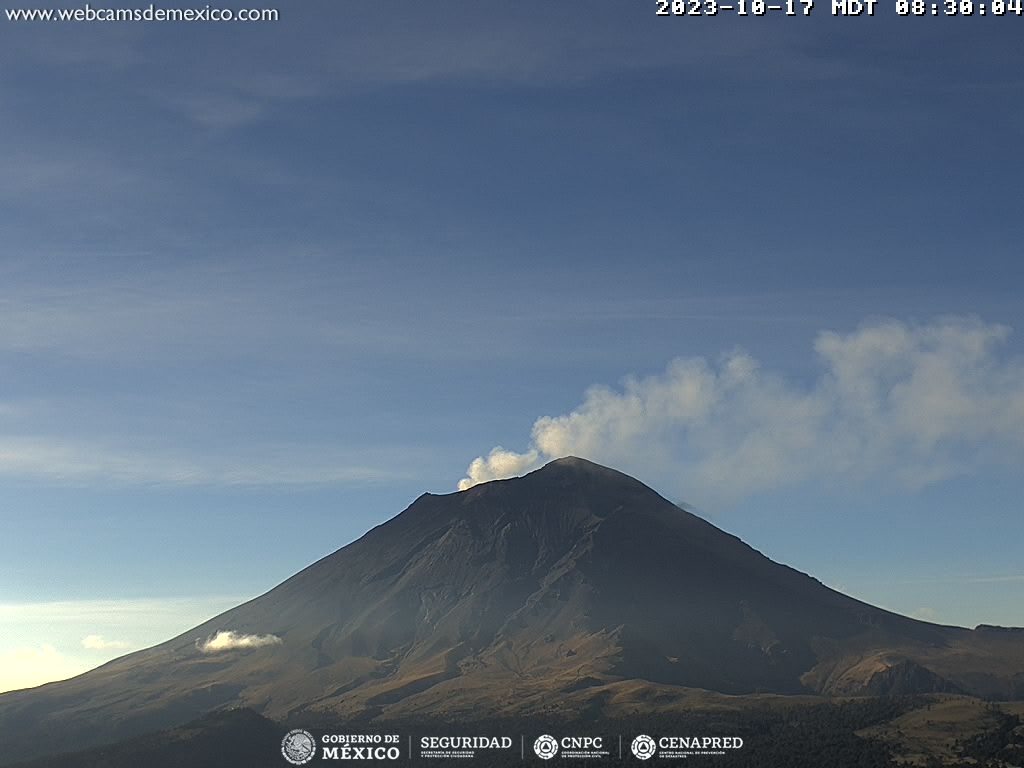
[{"x": 574, "y": 584}]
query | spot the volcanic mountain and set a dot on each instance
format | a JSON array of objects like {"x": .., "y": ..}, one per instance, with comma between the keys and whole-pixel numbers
[{"x": 575, "y": 586}]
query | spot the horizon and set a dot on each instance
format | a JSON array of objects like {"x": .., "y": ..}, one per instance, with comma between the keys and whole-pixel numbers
[{"x": 264, "y": 284}]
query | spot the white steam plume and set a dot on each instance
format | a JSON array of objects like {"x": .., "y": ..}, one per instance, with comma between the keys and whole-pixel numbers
[{"x": 912, "y": 404}]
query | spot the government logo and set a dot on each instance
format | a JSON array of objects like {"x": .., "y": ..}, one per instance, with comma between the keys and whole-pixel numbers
[
  {"x": 643, "y": 747},
  {"x": 298, "y": 747},
  {"x": 546, "y": 747}
]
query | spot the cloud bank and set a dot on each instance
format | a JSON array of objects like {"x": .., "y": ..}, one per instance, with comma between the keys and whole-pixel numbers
[
  {"x": 29, "y": 666},
  {"x": 46, "y": 641},
  {"x": 229, "y": 641},
  {"x": 911, "y": 404}
]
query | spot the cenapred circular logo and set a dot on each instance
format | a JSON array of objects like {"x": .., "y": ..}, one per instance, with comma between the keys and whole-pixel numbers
[
  {"x": 298, "y": 747},
  {"x": 546, "y": 747},
  {"x": 643, "y": 747}
]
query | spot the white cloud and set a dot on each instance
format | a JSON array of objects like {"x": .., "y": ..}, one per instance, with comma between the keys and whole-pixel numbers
[
  {"x": 134, "y": 612},
  {"x": 99, "y": 643},
  {"x": 909, "y": 404},
  {"x": 228, "y": 641}
]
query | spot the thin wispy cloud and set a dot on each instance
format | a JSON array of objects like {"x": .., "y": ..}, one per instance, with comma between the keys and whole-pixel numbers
[
  {"x": 908, "y": 404},
  {"x": 116, "y": 611},
  {"x": 175, "y": 313},
  {"x": 179, "y": 429},
  {"x": 1004, "y": 579},
  {"x": 77, "y": 463},
  {"x": 190, "y": 316},
  {"x": 100, "y": 643}
]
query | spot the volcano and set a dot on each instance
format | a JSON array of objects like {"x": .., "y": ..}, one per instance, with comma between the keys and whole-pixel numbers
[{"x": 575, "y": 586}]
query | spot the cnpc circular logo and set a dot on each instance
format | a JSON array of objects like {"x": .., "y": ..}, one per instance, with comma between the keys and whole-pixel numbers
[
  {"x": 546, "y": 747},
  {"x": 298, "y": 746},
  {"x": 643, "y": 747}
]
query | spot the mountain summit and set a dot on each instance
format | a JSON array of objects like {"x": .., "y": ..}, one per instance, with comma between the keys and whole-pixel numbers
[{"x": 575, "y": 586}]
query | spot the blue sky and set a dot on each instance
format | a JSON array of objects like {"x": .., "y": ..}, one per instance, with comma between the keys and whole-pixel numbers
[{"x": 262, "y": 285}]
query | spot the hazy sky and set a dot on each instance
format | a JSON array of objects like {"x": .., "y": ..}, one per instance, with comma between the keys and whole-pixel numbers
[{"x": 262, "y": 285}]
